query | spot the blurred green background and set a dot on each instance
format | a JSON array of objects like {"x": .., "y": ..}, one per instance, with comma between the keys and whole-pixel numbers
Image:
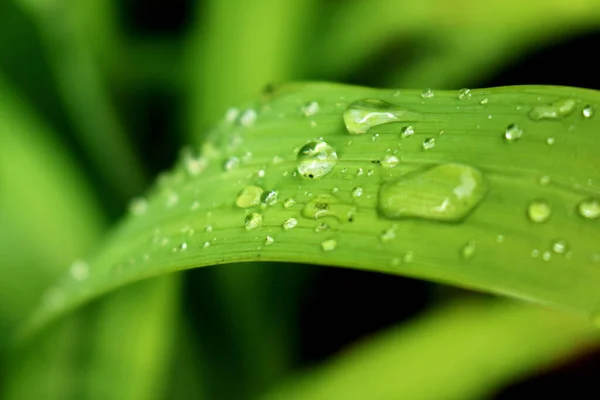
[{"x": 98, "y": 96}]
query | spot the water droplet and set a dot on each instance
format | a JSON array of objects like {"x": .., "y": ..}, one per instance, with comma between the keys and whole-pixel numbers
[
  {"x": 231, "y": 163},
  {"x": 357, "y": 192},
  {"x": 359, "y": 172},
  {"x": 589, "y": 208},
  {"x": 310, "y": 109},
  {"x": 206, "y": 245},
  {"x": 250, "y": 196},
  {"x": 407, "y": 131},
  {"x": 484, "y": 101},
  {"x": 269, "y": 240},
  {"x": 550, "y": 141},
  {"x": 328, "y": 206},
  {"x": 500, "y": 239},
  {"x": 428, "y": 143},
  {"x": 290, "y": 223},
  {"x": 544, "y": 180},
  {"x": 588, "y": 111},
  {"x": 375, "y": 137},
  {"x": 208, "y": 229},
  {"x": 446, "y": 192},
  {"x": 539, "y": 211},
  {"x": 427, "y": 93},
  {"x": 546, "y": 256},
  {"x": 231, "y": 115},
  {"x": 138, "y": 206},
  {"x": 329, "y": 245},
  {"x": 560, "y": 246},
  {"x": 253, "y": 221},
  {"x": 557, "y": 110},
  {"x": 535, "y": 253},
  {"x": 172, "y": 199},
  {"x": 287, "y": 203},
  {"x": 316, "y": 159},
  {"x": 408, "y": 257},
  {"x": 390, "y": 161},
  {"x": 513, "y": 133},
  {"x": 464, "y": 94},
  {"x": 362, "y": 115},
  {"x": 79, "y": 270},
  {"x": 248, "y": 117},
  {"x": 322, "y": 227},
  {"x": 468, "y": 250},
  {"x": 268, "y": 198},
  {"x": 182, "y": 247},
  {"x": 388, "y": 234}
]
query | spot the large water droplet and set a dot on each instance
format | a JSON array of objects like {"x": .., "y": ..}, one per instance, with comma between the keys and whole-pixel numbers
[
  {"x": 290, "y": 223},
  {"x": 539, "y": 211},
  {"x": 326, "y": 205},
  {"x": 316, "y": 159},
  {"x": 249, "y": 197},
  {"x": 253, "y": 221},
  {"x": 329, "y": 245},
  {"x": 557, "y": 110},
  {"x": 513, "y": 133},
  {"x": 588, "y": 111},
  {"x": 390, "y": 161},
  {"x": 446, "y": 192},
  {"x": 589, "y": 208},
  {"x": 362, "y": 115},
  {"x": 268, "y": 198}
]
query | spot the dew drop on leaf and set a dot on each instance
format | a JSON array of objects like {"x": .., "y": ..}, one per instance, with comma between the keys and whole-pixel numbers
[
  {"x": 589, "y": 208},
  {"x": 390, "y": 161},
  {"x": 357, "y": 192},
  {"x": 427, "y": 93},
  {"x": 269, "y": 240},
  {"x": 539, "y": 211},
  {"x": 468, "y": 250},
  {"x": 557, "y": 110},
  {"x": 231, "y": 163},
  {"x": 560, "y": 246},
  {"x": 268, "y": 198},
  {"x": 588, "y": 111},
  {"x": 316, "y": 159},
  {"x": 138, "y": 206},
  {"x": 250, "y": 196},
  {"x": 253, "y": 221},
  {"x": 248, "y": 117},
  {"x": 290, "y": 223},
  {"x": 464, "y": 94},
  {"x": 326, "y": 205},
  {"x": 287, "y": 203},
  {"x": 322, "y": 227},
  {"x": 388, "y": 234},
  {"x": 329, "y": 245},
  {"x": 428, "y": 143},
  {"x": 407, "y": 131},
  {"x": 513, "y": 133},
  {"x": 362, "y": 115},
  {"x": 310, "y": 109},
  {"x": 446, "y": 192}
]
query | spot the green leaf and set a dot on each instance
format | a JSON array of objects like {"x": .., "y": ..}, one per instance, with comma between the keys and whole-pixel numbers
[
  {"x": 530, "y": 235},
  {"x": 437, "y": 355}
]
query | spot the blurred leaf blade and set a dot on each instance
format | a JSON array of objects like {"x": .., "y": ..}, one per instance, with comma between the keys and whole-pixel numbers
[
  {"x": 465, "y": 350},
  {"x": 191, "y": 218}
]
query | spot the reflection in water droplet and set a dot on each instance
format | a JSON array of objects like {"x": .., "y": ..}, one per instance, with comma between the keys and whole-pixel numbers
[
  {"x": 268, "y": 198},
  {"x": 428, "y": 143},
  {"x": 287, "y": 203},
  {"x": 446, "y": 192},
  {"x": 269, "y": 240},
  {"x": 560, "y": 246},
  {"x": 326, "y": 205},
  {"x": 513, "y": 133},
  {"x": 316, "y": 159},
  {"x": 539, "y": 211},
  {"x": 329, "y": 245},
  {"x": 588, "y": 111},
  {"x": 290, "y": 223},
  {"x": 557, "y": 110},
  {"x": 390, "y": 161},
  {"x": 468, "y": 250},
  {"x": 357, "y": 192},
  {"x": 138, "y": 206},
  {"x": 362, "y": 115},
  {"x": 427, "y": 94},
  {"x": 249, "y": 197},
  {"x": 253, "y": 221},
  {"x": 248, "y": 117},
  {"x": 310, "y": 109},
  {"x": 407, "y": 131},
  {"x": 79, "y": 270},
  {"x": 589, "y": 208},
  {"x": 464, "y": 94}
]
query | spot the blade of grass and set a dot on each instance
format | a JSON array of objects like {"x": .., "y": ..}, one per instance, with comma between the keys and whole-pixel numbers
[
  {"x": 464, "y": 350},
  {"x": 496, "y": 248}
]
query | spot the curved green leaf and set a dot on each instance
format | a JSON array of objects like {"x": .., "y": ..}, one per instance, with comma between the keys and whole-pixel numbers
[{"x": 524, "y": 232}]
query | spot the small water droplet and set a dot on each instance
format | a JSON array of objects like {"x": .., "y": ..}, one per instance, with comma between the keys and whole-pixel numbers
[
  {"x": 513, "y": 133},
  {"x": 268, "y": 198},
  {"x": 248, "y": 117},
  {"x": 407, "y": 131},
  {"x": 250, "y": 196},
  {"x": 544, "y": 180},
  {"x": 428, "y": 143},
  {"x": 539, "y": 211},
  {"x": 231, "y": 163},
  {"x": 79, "y": 270},
  {"x": 468, "y": 250},
  {"x": 328, "y": 206},
  {"x": 484, "y": 101},
  {"x": 231, "y": 115},
  {"x": 310, "y": 109},
  {"x": 329, "y": 245},
  {"x": 375, "y": 137},
  {"x": 589, "y": 208},
  {"x": 138, "y": 206},
  {"x": 500, "y": 239},
  {"x": 560, "y": 246},
  {"x": 316, "y": 159},
  {"x": 182, "y": 247},
  {"x": 206, "y": 245},
  {"x": 321, "y": 227},
  {"x": 287, "y": 203},
  {"x": 359, "y": 172},
  {"x": 390, "y": 161},
  {"x": 427, "y": 93},
  {"x": 447, "y": 192},
  {"x": 208, "y": 229},
  {"x": 557, "y": 110},
  {"x": 172, "y": 199},
  {"x": 388, "y": 234},
  {"x": 588, "y": 111},
  {"x": 535, "y": 253},
  {"x": 253, "y": 221},
  {"x": 357, "y": 192},
  {"x": 408, "y": 257},
  {"x": 290, "y": 223},
  {"x": 362, "y": 115},
  {"x": 550, "y": 141},
  {"x": 464, "y": 94},
  {"x": 546, "y": 256},
  {"x": 269, "y": 240}
]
